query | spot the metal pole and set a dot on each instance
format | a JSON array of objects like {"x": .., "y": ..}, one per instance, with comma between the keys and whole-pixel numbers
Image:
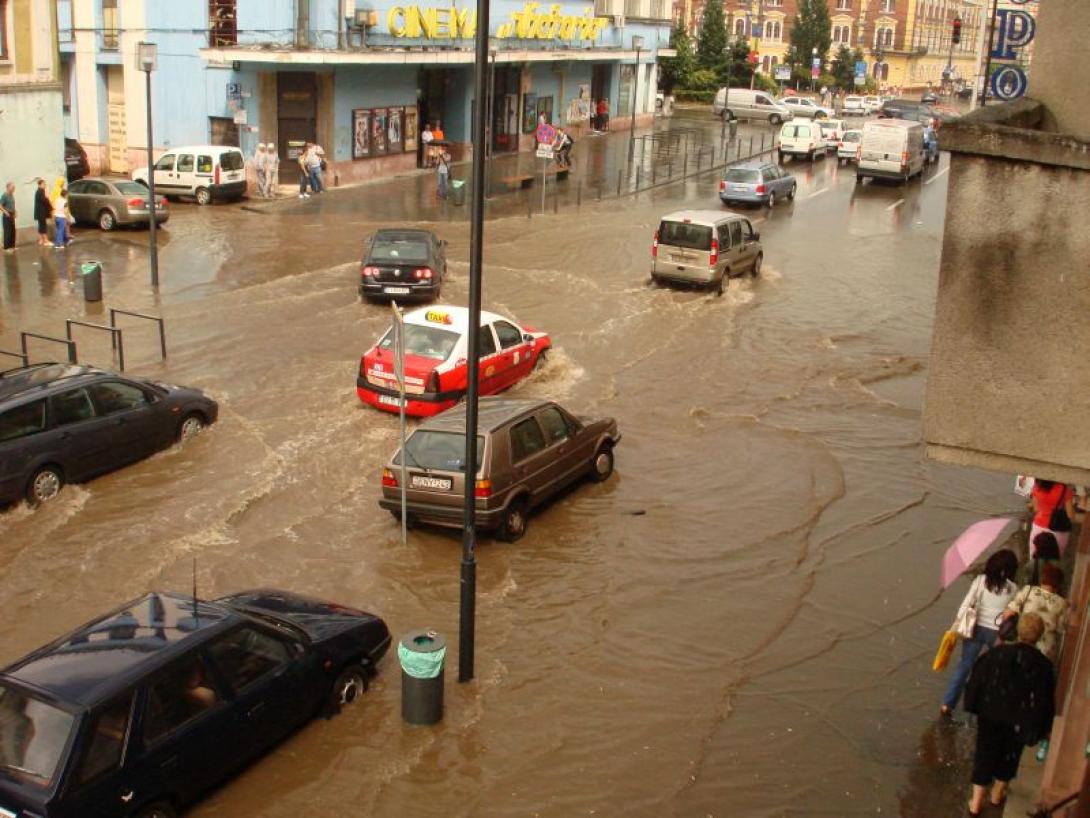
[
  {"x": 632, "y": 103},
  {"x": 153, "y": 247},
  {"x": 620, "y": 175},
  {"x": 399, "y": 370},
  {"x": 491, "y": 102},
  {"x": 544, "y": 167},
  {"x": 468, "y": 588},
  {"x": 579, "y": 193},
  {"x": 988, "y": 64}
]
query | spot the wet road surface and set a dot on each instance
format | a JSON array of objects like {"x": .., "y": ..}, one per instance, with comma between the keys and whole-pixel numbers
[{"x": 740, "y": 622}]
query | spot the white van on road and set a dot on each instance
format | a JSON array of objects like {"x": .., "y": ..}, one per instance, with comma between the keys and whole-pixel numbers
[
  {"x": 801, "y": 138},
  {"x": 891, "y": 149},
  {"x": 205, "y": 172},
  {"x": 742, "y": 103}
]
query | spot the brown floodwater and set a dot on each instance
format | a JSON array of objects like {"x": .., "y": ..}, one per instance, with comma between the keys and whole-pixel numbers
[{"x": 739, "y": 623}]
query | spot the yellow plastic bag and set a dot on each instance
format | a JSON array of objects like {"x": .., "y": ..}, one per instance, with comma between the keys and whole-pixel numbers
[{"x": 946, "y": 649}]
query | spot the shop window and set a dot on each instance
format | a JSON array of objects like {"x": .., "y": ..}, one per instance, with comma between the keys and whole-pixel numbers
[
  {"x": 223, "y": 131},
  {"x": 222, "y": 23},
  {"x": 111, "y": 31}
]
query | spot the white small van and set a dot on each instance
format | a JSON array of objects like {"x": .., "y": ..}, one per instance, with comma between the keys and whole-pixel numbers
[
  {"x": 743, "y": 103},
  {"x": 801, "y": 138},
  {"x": 890, "y": 149},
  {"x": 205, "y": 172}
]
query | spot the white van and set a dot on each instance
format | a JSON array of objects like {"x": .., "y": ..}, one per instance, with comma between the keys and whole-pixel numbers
[
  {"x": 801, "y": 138},
  {"x": 743, "y": 103},
  {"x": 891, "y": 149},
  {"x": 205, "y": 172}
]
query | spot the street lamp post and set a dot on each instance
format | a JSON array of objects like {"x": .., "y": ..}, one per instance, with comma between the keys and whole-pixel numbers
[
  {"x": 146, "y": 61},
  {"x": 813, "y": 60},
  {"x": 637, "y": 44}
]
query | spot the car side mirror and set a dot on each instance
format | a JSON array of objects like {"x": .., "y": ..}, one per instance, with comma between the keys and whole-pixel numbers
[
  {"x": 527, "y": 337},
  {"x": 756, "y": 236}
]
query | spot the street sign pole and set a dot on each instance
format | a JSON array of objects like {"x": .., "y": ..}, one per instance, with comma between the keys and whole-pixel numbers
[{"x": 399, "y": 370}]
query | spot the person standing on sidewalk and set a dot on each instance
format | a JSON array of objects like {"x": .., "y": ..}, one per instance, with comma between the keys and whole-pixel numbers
[
  {"x": 261, "y": 169},
  {"x": 7, "y": 210},
  {"x": 1052, "y": 509},
  {"x": 315, "y": 166},
  {"x": 272, "y": 171},
  {"x": 304, "y": 174},
  {"x": 42, "y": 211},
  {"x": 60, "y": 219},
  {"x": 442, "y": 172}
]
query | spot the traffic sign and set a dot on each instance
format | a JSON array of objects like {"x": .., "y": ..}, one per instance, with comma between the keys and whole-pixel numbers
[
  {"x": 545, "y": 151},
  {"x": 1009, "y": 82},
  {"x": 545, "y": 133}
]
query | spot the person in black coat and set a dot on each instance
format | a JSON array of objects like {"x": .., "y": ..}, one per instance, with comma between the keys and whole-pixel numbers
[
  {"x": 1012, "y": 692},
  {"x": 42, "y": 212}
]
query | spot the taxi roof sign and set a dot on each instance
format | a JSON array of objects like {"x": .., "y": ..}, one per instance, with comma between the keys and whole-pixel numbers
[{"x": 438, "y": 317}]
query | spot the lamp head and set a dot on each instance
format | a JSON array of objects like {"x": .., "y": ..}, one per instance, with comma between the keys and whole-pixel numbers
[{"x": 147, "y": 56}]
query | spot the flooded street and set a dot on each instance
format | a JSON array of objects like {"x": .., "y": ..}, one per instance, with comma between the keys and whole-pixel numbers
[{"x": 739, "y": 623}]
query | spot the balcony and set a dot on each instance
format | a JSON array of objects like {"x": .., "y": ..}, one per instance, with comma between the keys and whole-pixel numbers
[{"x": 222, "y": 23}]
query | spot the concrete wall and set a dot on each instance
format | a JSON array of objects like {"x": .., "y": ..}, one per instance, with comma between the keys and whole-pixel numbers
[
  {"x": 1009, "y": 381},
  {"x": 1059, "y": 47},
  {"x": 31, "y": 143}
]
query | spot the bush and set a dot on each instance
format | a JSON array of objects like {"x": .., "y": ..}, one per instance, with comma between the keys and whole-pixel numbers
[
  {"x": 693, "y": 95},
  {"x": 767, "y": 84},
  {"x": 704, "y": 80}
]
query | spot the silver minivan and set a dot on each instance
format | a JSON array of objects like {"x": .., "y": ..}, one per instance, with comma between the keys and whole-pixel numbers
[
  {"x": 743, "y": 103},
  {"x": 705, "y": 247},
  {"x": 891, "y": 149}
]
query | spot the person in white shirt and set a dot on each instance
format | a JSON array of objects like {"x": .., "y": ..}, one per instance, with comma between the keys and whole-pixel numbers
[
  {"x": 60, "y": 219},
  {"x": 272, "y": 171},
  {"x": 990, "y": 594},
  {"x": 261, "y": 169}
]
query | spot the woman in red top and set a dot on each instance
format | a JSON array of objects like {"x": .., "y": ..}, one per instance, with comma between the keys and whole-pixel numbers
[{"x": 1045, "y": 498}]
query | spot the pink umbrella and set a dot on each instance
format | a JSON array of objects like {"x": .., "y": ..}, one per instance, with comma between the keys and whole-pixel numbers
[{"x": 967, "y": 548}]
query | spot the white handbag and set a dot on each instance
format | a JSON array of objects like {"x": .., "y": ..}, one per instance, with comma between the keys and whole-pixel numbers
[{"x": 965, "y": 621}]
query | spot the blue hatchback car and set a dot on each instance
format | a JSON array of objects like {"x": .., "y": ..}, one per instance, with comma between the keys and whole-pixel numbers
[{"x": 757, "y": 183}]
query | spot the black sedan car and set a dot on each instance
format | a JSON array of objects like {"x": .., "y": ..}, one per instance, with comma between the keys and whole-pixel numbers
[
  {"x": 65, "y": 423},
  {"x": 136, "y": 714},
  {"x": 75, "y": 160},
  {"x": 403, "y": 265}
]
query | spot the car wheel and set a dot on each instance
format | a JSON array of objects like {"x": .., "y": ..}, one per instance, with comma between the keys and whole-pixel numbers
[
  {"x": 191, "y": 426},
  {"x": 775, "y": 119},
  {"x": 349, "y": 687},
  {"x": 601, "y": 467},
  {"x": 204, "y": 196},
  {"x": 722, "y": 283},
  {"x": 46, "y": 484},
  {"x": 859, "y": 178},
  {"x": 756, "y": 271},
  {"x": 792, "y": 191},
  {"x": 780, "y": 153},
  {"x": 106, "y": 220},
  {"x": 159, "y": 810},
  {"x": 812, "y": 156},
  {"x": 514, "y": 522},
  {"x": 771, "y": 199},
  {"x": 541, "y": 360}
]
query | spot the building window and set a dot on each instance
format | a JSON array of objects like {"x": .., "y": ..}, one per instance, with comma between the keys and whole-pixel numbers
[
  {"x": 740, "y": 27},
  {"x": 842, "y": 34},
  {"x": 222, "y": 23},
  {"x": 883, "y": 38},
  {"x": 110, "y": 29},
  {"x": 773, "y": 3},
  {"x": 773, "y": 31},
  {"x": 888, "y": 6},
  {"x": 843, "y": 5}
]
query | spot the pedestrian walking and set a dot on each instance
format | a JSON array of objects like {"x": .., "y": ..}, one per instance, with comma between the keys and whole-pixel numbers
[
  {"x": 304, "y": 172},
  {"x": 603, "y": 115},
  {"x": 987, "y": 598},
  {"x": 7, "y": 210},
  {"x": 1046, "y": 601},
  {"x": 272, "y": 171},
  {"x": 43, "y": 210},
  {"x": 261, "y": 169},
  {"x": 442, "y": 172},
  {"x": 1052, "y": 509},
  {"x": 563, "y": 145},
  {"x": 1011, "y": 691},
  {"x": 60, "y": 220}
]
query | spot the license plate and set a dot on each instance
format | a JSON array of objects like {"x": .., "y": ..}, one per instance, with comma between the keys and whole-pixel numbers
[
  {"x": 388, "y": 400},
  {"x": 423, "y": 481},
  {"x": 396, "y": 290}
]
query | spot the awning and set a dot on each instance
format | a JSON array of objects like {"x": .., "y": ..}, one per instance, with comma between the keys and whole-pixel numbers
[{"x": 398, "y": 56}]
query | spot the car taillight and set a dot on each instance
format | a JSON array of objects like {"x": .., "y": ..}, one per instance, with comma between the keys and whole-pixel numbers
[
  {"x": 713, "y": 258},
  {"x": 482, "y": 489},
  {"x": 760, "y": 188},
  {"x": 388, "y": 479},
  {"x": 722, "y": 185},
  {"x": 655, "y": 246},
  {"x": 369, "y": 272},
  {"x": 217, "y": 179},
  {"x": 422, "y": 272},
  {"x": 904, "y": 157},
  {"x": 433, "y": 382},
  {"x": 137, "y": 203}
]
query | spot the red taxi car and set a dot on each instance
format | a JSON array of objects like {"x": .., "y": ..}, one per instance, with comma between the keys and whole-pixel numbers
[{"x": 435, "y": 360}]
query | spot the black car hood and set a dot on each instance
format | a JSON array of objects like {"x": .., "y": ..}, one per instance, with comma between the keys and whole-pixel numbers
[{"x": 319, "y": 620}]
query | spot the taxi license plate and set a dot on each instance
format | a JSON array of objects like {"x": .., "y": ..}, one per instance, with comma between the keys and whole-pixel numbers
[
  {"x": 389, "y": 400},
  {"x": 396, "y": 290},
  {"x": 423, "y": 481}
]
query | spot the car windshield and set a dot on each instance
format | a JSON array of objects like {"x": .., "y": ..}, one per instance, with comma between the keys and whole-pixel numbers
[
  {"x": 743, "y": 175},
  {"x": 399, "y": 250},
  {"x": 33, "y": 737},
  {"x": 438, "y": 450},
  {"x": 426, "y": 342},
  {"x": 685, "y": 234},
  {"x": 131, "y": 189},
  {"x": 232, "y": 160}
]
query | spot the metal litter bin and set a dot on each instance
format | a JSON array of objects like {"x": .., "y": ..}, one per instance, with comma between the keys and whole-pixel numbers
[
  {"x": 422, "y": 654},
  {"x": 732, "y": 127},
  {"x": 91, "y": 276},
  {"x": 458, "y": 191}
]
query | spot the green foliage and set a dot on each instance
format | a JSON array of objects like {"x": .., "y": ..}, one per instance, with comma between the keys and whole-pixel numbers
[
  {"x": 703, "y": 79},
  {"x": 844, "y": 68},
  {"x": 766, "y": 82},
  {"x": 810, "y": 29},
  {"x": 737, "y": 71},
  {"x": 712, "y": 40},
  {"x": 676, "y": 71},
  {"x": 689, "y": 95}
]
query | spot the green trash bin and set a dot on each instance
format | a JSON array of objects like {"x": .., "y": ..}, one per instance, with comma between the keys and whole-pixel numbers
[
  {"x": 732, "y": 127},
  {"x": 422, "y": 654},
  {"x": 91, "y": 276},
  {"x": 458, "y": 191}
]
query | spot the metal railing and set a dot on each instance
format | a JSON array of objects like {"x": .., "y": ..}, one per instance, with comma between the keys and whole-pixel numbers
[
  {"x": 114, "y": 312},
  {"x": 21, "y": 356},
  {"x": 116, "y": 341},
  {"x": 68, "y": 342}
]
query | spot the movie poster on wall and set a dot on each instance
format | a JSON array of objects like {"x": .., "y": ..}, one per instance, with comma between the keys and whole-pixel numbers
[
  {"x": 410, "y": 128},
  {"x": 379, "y": 142},
  {"x": 361, "y": 133},
  {"x": 394, "y": 134},
  {"x": 529, "y": 113}
]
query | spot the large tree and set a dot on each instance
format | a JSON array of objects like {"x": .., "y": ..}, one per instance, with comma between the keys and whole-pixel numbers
[
  {"x": 737, "y": 70},
  {"x": 677, "y": 71},
  {"x": 712, "y": 40},
  {"x": 810, "y": 29},
  {"x": 844, "y": 68}
]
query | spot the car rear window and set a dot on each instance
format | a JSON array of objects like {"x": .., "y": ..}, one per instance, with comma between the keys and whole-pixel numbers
[
  {"x": 399, "y": 250},
  {"x": 427, "y": 449},
  {"x": 22, "y": 420},
  {"x": 232, "y": 160},
  {"x": 426, "y": 342},
  {"x": 33, "y": 737},
  {"x": 686, "y": 235},
  {"x": 790, "y": 131},
  {"x": 740, "y": 175},
  {"x": 131, "y": 189},
  {"x": 851, "y": 136}
]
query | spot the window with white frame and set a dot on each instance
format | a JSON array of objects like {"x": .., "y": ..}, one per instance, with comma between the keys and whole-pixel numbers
[
  {"x": 843, "y": 5},
  {"x": 842, "y": 34},
  {"x": 883, "y": 38},
  {"x": 740, "y": 27},
  {"x": 773, "y": 31},
  {"x": 887, "y": 6}
]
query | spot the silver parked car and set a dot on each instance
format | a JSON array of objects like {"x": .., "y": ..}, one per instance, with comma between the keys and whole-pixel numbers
[
  {"x": 111, "y": 203},
  {"x": 705, "y": 247}
]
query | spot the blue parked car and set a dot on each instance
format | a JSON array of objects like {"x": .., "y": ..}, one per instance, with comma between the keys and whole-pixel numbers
[
  {"x": 930, "y": 145},
  {"x": 757, "y": 183}
]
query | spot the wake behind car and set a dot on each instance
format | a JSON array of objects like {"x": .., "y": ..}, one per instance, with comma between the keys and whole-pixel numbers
[
  {"x": 63, "y": 423},
  {"x": 756, "y": 183},
  {"x": 436, "y": 370},
  {"x": 528, "y": 451},
  {"x": 138, "y": 713},
  {"x": 403, "y": 265}
]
